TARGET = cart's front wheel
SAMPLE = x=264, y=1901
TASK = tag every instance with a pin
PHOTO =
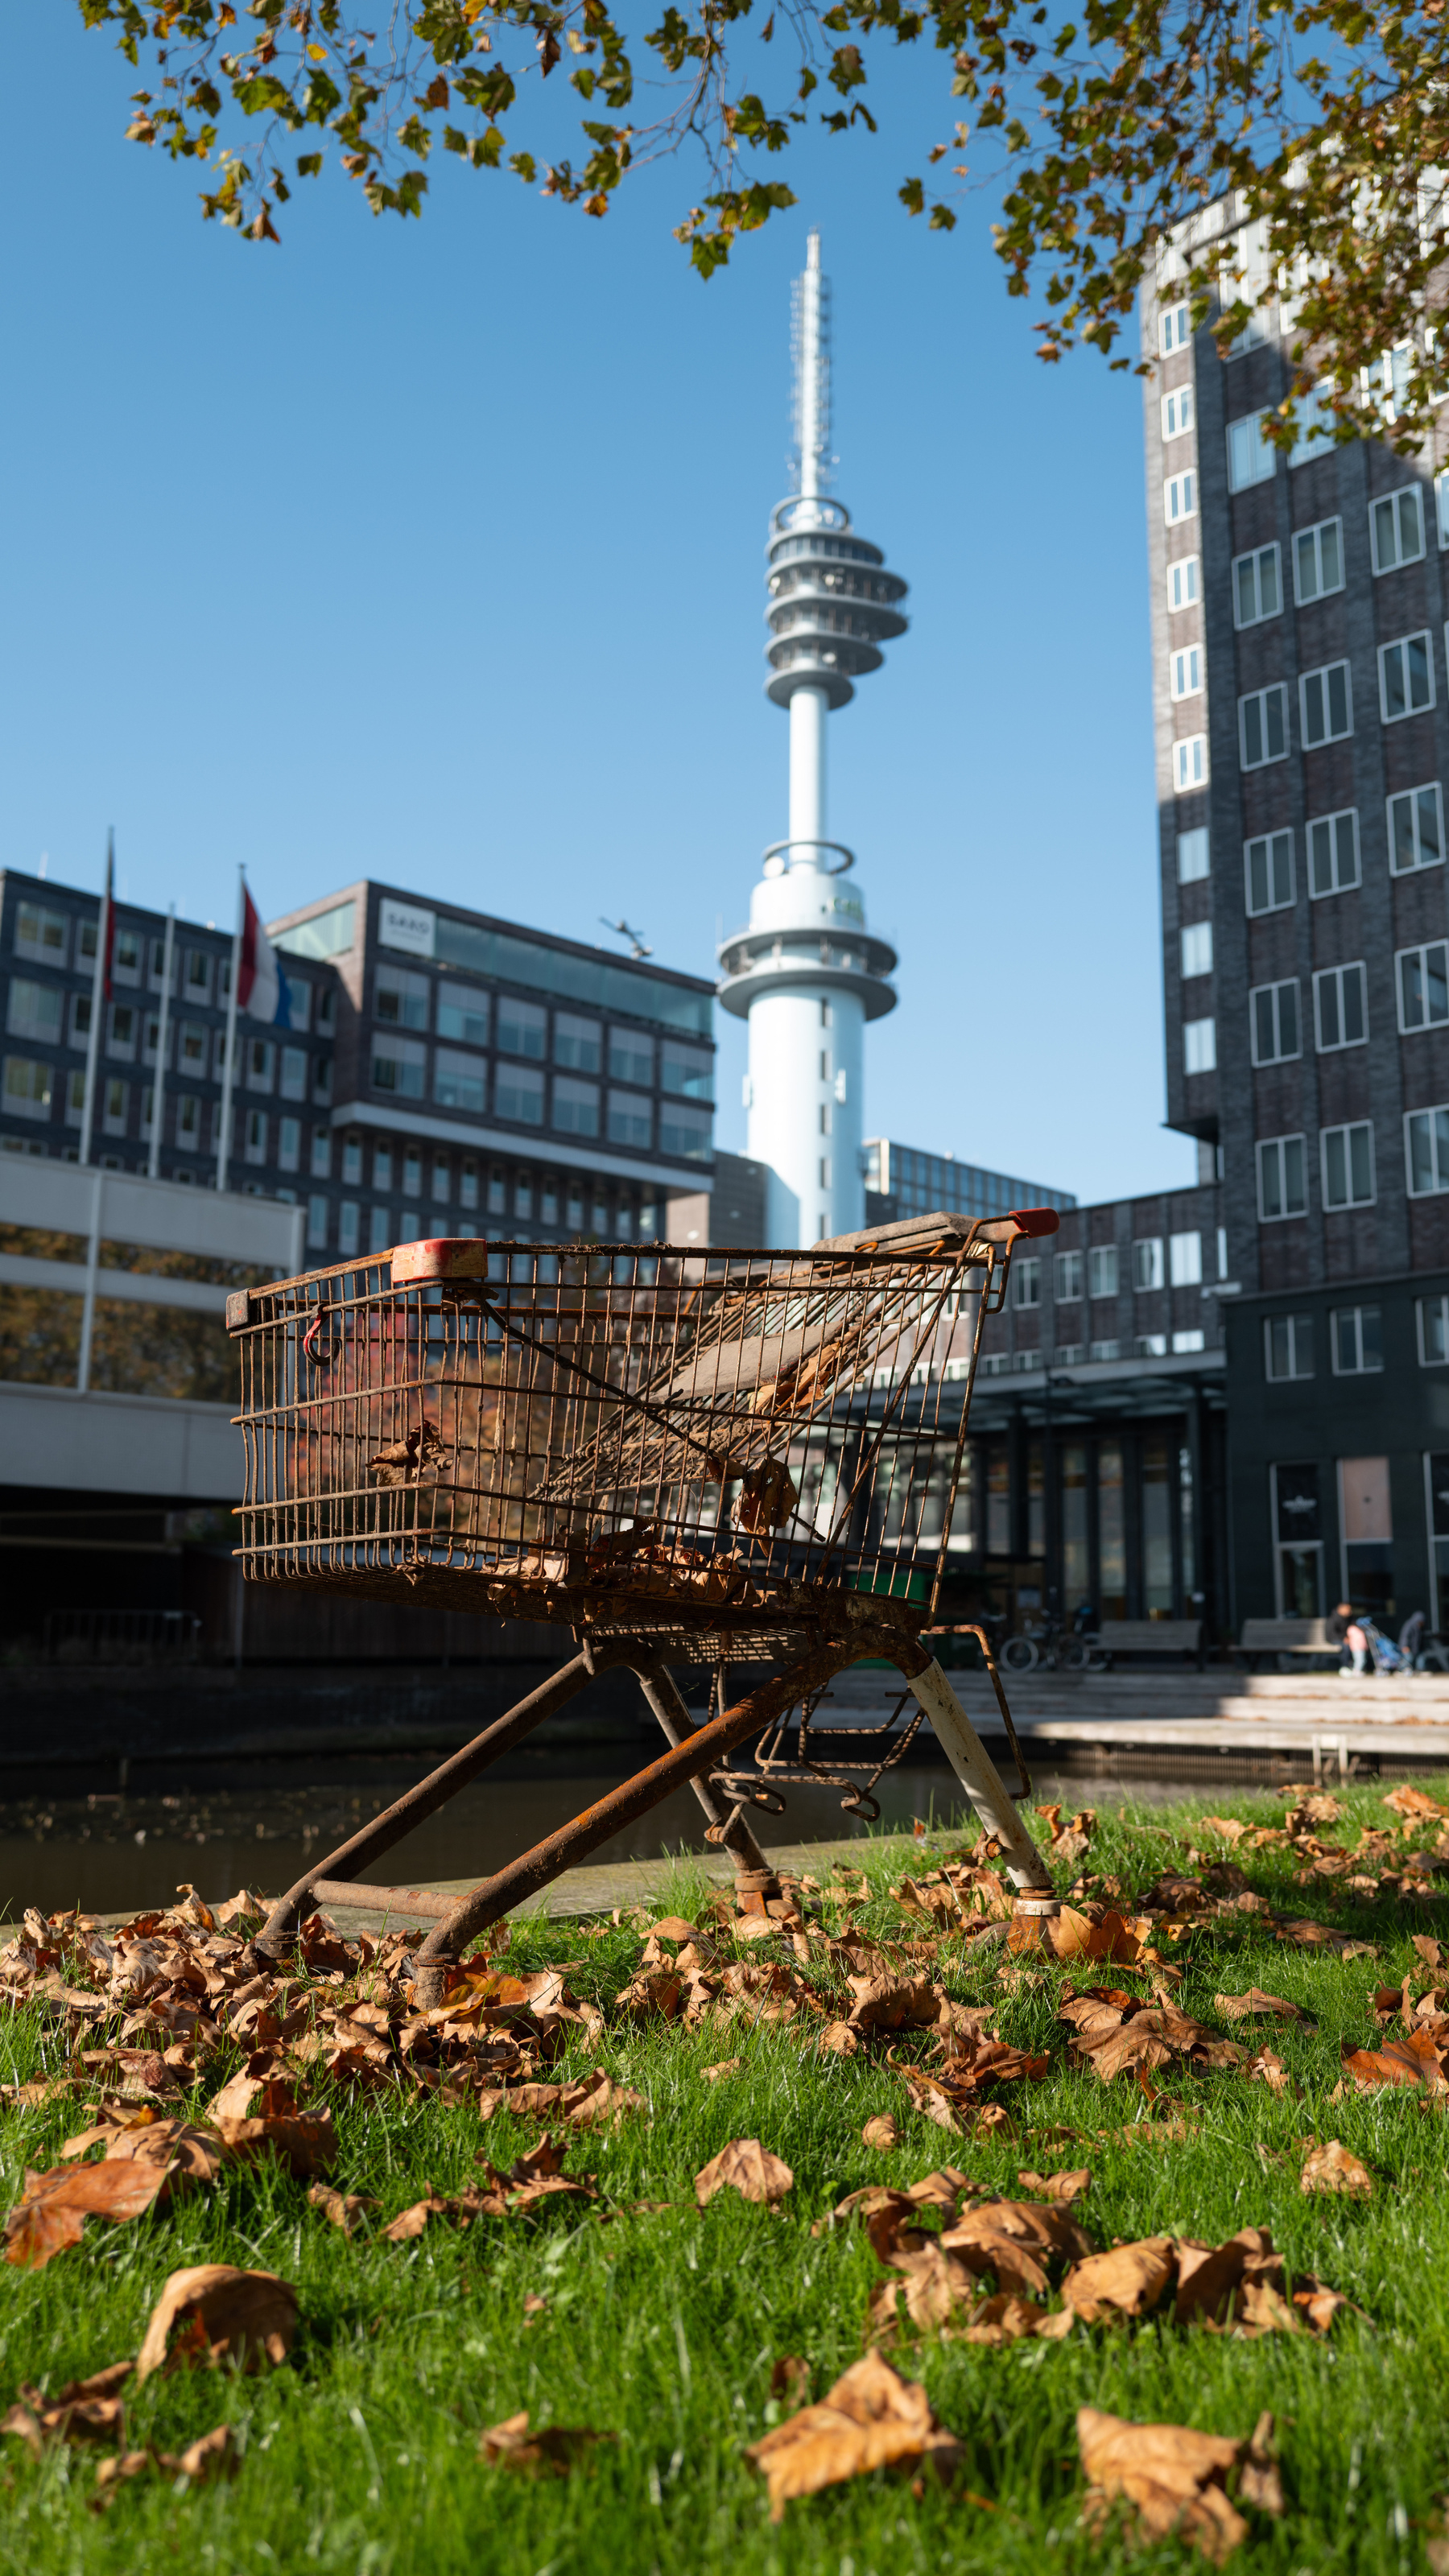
x=1019, y=1654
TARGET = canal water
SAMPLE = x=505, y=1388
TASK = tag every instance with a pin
x=114, y=1851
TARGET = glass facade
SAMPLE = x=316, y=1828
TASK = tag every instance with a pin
x=921, y=1183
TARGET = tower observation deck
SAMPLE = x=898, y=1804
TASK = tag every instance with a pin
x=807, y=974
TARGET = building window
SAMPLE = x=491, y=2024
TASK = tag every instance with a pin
x=1183, y=587
x=1189, y=764
x=1273, y=1017
x=1250, y=458
x=1066, y=1355
x=115, y=1105
x=576, y=1107
x=1193, y=856
x=1179, y=497
x=1298, y=1538
x=1151, y=1346
x=548, y=1200
x=1423, y=980
x=256, y=1136
x=1282, y=1178
x=1174, y=328
x=126, y=957
x=1325, y=702
x=1068, y=1278
x=1192, y=1339
x=348, y=1216
x=1348, y=1165
x=1026, y=1277
x=1257, y=592
x=352, y=1162
x=522, y=1028
x=1184, y=1261
x=321, y=1154
x=690, y=1076
x=41, y=934
x=1184, y=669
x=293, y=1085
x=578, y=1044
x=1406, y=676
x=1102, y=1270
x=412, y=1172
x=317, y=1223
x=1268, y=870
x=379, y=1229
x=460, y=1081
x=80, y=1028
x=462, y=1012
x=121, y=1035
x=1333, y=853
x=35, y=1011
x=400, y=999
x=631, y=1120
x=28, y=1087
x=1339, y=1008
x=1147, y=1272
x=1426, y=1150
x=1355, y=1337
x=1318, y=561
x=442, y=1189
x=468, y=1183
x=1105, y=1350
x=686, y=1132
x=1263, y=726
x=1177, y=412
x=289, y=1144
x=497, y=1192
x=1432, y=1316
x=188, y=1118
x=257, y=1061
x=1314, y=434
x=1416, y=829
x=1288, y=1346
x=1197, y=949
x=382, y=1167
x=1199, y=1046
x=1396, y=525
x=198, y=975
x=631, y=1059
x=518, y=1093
x=399, y=1066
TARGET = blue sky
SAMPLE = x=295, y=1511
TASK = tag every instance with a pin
x=435, y=553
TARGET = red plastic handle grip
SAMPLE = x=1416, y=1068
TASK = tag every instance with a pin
x=457, y=1256
x=1035, y=1220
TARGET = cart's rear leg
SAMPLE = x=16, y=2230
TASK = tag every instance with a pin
x=727, y=1828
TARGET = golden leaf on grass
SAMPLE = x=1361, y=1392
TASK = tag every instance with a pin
x=1330, y=2167
x=1067, y=2186
x=883, y=2133
x=1428, y=1949
x=1248, y=2007
x=549, y=2451
x=1414, y=1802
x=726, y=2066
x=994, y=2120
x=55, y=2206
x=305, y=2141
x=746, y=2167
x=212, y=2312
x=1126, y=2281
x=1414, y=2060
x=213, y=2456
x=870, y=2419
x=344, y=2208
x=1268, y=2069
x=1014, y=2240
x=87, y=2410
x=1209, y=2276
x=1176, y=2478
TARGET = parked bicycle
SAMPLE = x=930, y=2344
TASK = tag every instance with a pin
x=1053, y=1646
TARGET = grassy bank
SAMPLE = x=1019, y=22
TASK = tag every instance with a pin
x=662, y=2325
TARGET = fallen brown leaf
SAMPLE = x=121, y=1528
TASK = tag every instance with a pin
x=1249, y=2006
x=1412, y=2060
x=344, y=2208
x=1330, y=2167
x=55, y=2206
x=87, y=2410
x=870, y=2419
x=212, y=2312
x=1067, y=2186
x=883, y=2133
x=304, y=2141
x=1126, y=2281
x=1176, y=2478
x=728, y=2066
x=551, y=2450
x=1014, y=2240
x=746, y=2167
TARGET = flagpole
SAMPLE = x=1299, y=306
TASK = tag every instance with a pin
x=98, y=980
x=223, y=1148
x=158, y=1096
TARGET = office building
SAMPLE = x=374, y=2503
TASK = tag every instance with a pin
x=901, y=1181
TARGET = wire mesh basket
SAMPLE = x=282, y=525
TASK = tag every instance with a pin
x=707, y=1445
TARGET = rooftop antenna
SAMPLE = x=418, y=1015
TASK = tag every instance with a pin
x=635, y=938
x=810, y=348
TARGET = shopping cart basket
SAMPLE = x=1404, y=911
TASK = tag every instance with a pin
x=723, y=1458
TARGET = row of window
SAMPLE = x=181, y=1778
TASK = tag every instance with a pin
x=471, y=1016
x=39, y=1011
x=1347, y=1165
x=1325, y=698
x=521, y=1096
x=1143, y=1346
x=1355, y=1340
x=1340, y=1003
x=523, y=1200
x=1270, y=879
x=1157, y=1261
x=198, y=975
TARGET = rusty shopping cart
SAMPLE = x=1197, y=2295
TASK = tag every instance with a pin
x=734, y=1459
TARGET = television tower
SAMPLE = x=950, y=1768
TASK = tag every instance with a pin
x=807, y=974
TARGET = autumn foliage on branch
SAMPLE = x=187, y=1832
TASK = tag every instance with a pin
x=1325, y=125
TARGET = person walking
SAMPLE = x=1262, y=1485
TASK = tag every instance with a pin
x=1348, y=1636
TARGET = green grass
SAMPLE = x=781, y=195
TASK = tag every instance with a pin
x=361, y=2453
